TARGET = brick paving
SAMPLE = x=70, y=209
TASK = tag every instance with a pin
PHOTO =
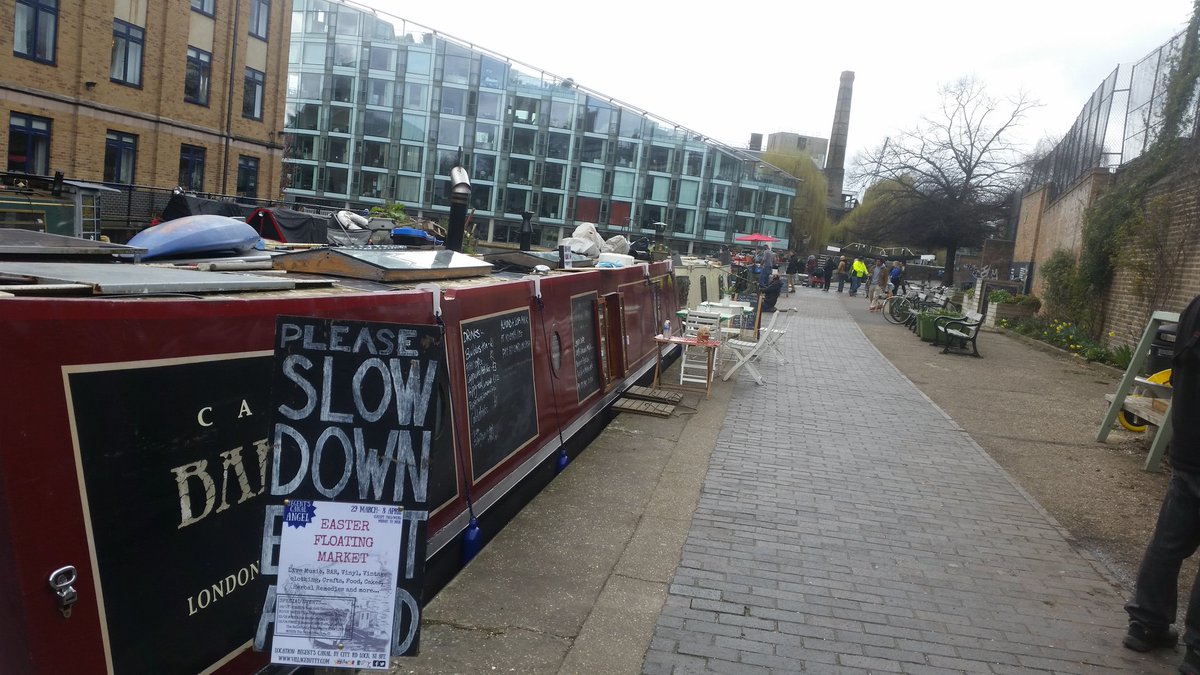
x=839, y=532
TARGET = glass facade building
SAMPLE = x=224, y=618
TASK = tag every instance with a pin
x=379, y=109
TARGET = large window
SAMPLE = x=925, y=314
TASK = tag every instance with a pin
x=247, y=176
x=206, y=7
x=252, y=94
x=127, y=47
x=35, y=29
x=191, y=167
x=28, y=144
x=198, y=76
x=120, y=157
x=260, y=12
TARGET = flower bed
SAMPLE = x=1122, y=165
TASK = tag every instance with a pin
x=1069, y=338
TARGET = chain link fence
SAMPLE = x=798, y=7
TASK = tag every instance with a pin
x=1123, y=118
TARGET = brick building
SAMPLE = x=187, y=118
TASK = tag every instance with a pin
x=134, y=92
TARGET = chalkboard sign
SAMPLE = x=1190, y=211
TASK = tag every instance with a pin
x=583, y=344
x=501, y=401
x=355, y=413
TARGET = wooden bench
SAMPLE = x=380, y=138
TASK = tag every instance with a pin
x=956, y=332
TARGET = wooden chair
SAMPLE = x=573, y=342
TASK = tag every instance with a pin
x=693, y=364
x=746, y=352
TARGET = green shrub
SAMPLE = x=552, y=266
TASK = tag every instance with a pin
x=1000, y=297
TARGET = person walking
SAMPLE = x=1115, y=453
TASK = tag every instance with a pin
x=858, y=274
x=894, y=276
x=901, y=284
x=830, y=266
x=842, y=271
x=793, y=270
x=810, y=269
x=878, y=285
x=767, y=266
x=1177, y=533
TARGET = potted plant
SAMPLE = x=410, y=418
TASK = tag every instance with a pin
x=1005, y=305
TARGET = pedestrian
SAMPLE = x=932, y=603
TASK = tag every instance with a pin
x=842, y=271
x=901, y=282
x=793, y=270
x=767, y=266
x=1176, y=535
x=878, y=285
x=810, y=268
x=858, y=273
x=894, y=276
x=830, y=266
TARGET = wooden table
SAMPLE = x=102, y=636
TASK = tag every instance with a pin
x=710, y=347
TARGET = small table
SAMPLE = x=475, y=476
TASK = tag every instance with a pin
x=709, y=345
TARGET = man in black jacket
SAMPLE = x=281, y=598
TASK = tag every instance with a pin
x=830, y=266
x=1177, y=534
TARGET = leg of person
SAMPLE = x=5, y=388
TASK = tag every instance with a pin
x=1176, y=536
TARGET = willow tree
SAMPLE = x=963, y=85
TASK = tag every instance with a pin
x=951, y=178
x=810, y=223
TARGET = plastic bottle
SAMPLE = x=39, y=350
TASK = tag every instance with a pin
x=667, y=328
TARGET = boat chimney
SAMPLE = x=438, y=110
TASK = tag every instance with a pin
x=526, y=230
x=460, y=196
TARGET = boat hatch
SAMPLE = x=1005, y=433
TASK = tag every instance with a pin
x=15, y=243
x=28, y=278
x=383, y=263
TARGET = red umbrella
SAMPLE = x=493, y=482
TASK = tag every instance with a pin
x=756, y=237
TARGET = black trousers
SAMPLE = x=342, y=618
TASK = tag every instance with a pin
x=1176, y=537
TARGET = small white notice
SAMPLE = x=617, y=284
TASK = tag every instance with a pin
x=338, y=567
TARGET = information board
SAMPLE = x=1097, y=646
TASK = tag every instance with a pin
x=338, y=572
x=583, y=344
x=501, y=401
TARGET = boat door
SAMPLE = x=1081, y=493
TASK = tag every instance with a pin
x=616, y=341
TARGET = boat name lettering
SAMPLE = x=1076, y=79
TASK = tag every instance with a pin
x=204, y=415
x=197, y=474
x=372, y=340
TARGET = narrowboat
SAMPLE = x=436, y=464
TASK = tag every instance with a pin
x=137, y=432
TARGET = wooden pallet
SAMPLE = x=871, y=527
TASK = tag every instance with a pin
x=648, y=394
x=644, y=407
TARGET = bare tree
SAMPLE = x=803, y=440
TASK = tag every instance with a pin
x=950, y=179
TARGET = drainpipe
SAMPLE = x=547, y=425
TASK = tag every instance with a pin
x=228, y=130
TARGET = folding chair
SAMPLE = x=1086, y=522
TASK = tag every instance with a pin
x=693, y=364
x=773, y=336
x=747, y=352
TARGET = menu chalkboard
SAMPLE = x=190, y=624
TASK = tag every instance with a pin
x=501, y=401
x=583, y=344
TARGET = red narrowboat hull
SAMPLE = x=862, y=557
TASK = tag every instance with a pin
x=136, y=434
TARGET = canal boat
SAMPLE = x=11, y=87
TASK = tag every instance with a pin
x=136, y=444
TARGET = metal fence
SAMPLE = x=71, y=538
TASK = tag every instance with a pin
x=136, y=207
x=1123, y=118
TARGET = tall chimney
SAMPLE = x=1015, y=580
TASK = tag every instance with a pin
x=835, y=169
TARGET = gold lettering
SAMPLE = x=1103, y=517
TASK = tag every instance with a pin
x=182, y=474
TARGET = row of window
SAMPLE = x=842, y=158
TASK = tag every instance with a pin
x=36, y=29
x=29, y=152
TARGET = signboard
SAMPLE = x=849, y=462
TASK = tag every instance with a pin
x=354, y=414
x=583, y=344
x=336, y=593
x=170, y=456
x=498, y=361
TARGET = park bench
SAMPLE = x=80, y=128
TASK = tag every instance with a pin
x=956, y=332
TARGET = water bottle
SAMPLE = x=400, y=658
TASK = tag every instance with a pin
x=667, y=328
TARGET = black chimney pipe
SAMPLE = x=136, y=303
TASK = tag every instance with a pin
x=460, y=196
x=526, y=230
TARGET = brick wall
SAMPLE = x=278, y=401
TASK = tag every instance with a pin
x=1045, y=227
x=156, y=113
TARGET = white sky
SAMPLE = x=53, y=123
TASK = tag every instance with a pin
x=727, y=70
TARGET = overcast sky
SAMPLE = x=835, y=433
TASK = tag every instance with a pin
x=730, y=69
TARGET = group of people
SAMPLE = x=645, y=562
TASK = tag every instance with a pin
x=878, y=279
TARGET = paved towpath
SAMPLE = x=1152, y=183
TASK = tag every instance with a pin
x=837, y=535
x=785, y=528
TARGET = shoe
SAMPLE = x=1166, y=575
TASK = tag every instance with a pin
x=1191, y=663
x=1142, y=639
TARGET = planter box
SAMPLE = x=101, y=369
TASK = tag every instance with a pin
x=997, y=311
